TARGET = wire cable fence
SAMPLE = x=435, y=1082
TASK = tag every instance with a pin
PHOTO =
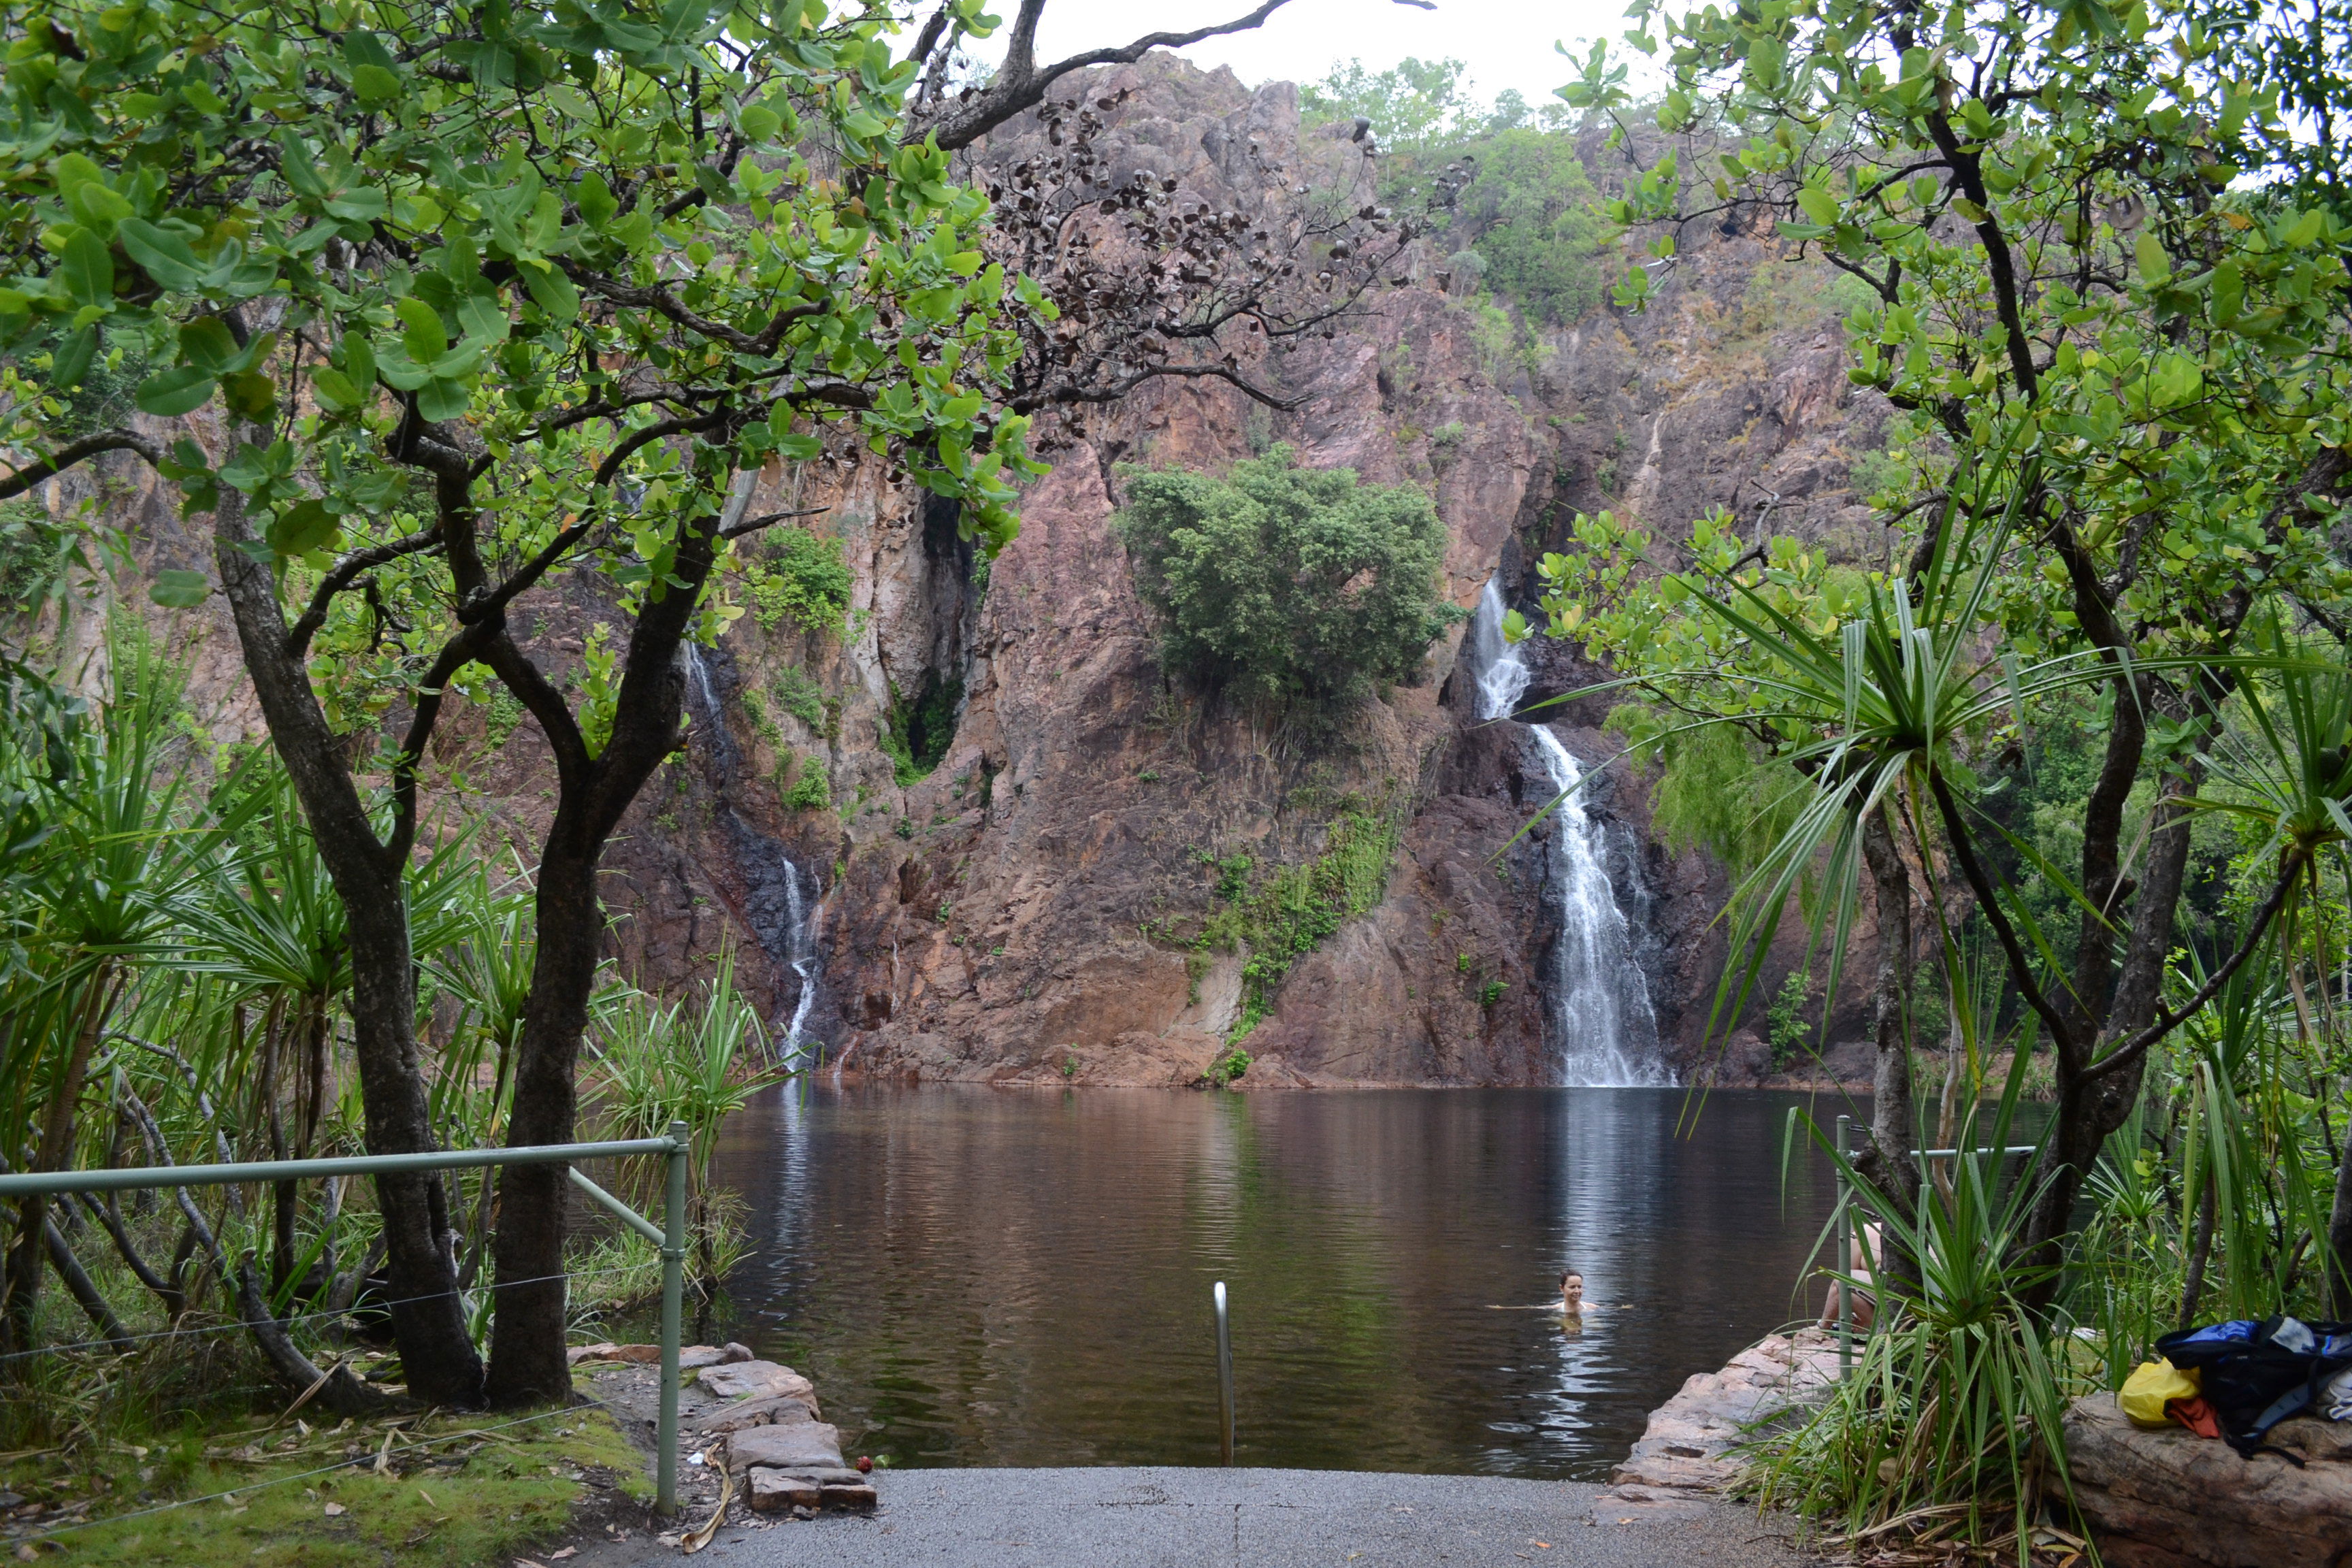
x=360, y=1307
x=262, y=1320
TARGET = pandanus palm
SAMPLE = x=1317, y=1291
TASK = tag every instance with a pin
x=114, y=879
x=2285, y=769
x=273, y=929
x=1873, y=707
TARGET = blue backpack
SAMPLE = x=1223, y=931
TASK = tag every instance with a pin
x=2256, y=1374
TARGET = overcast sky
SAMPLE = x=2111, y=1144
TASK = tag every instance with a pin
x=1506, y=43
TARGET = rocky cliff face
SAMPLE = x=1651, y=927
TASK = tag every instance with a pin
x=1020, y=912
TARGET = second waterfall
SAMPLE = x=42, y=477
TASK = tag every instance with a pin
x=1604, y=1032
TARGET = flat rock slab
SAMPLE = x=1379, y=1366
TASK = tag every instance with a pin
x=787, y=1445
x=2169, y=1498
x=739, y=1414
x=1685, y=1446
x=777, y=1490
x=690, y=1357
x=1108, y=1517
x=754, y=1380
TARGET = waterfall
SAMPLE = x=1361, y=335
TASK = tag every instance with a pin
x=783, y=915
x=1604, y=1032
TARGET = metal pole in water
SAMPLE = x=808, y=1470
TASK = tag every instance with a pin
x=1225, y=1371
x=1846, y=1251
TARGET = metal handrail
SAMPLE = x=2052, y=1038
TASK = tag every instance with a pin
x=129, y=1177
x=669, y=1235
x=1843, y=1224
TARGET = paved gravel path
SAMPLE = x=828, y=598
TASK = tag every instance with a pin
x=1146, y=1517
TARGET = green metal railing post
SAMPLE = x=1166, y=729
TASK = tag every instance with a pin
x=1845, y=1250
x=673, y=1304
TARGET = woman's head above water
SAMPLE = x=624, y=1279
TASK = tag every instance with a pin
x=1572, y=1290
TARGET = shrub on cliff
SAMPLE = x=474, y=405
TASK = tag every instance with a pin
x=806, y=581
x=1282, y=584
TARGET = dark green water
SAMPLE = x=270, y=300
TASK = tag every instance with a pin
x=981, y=1276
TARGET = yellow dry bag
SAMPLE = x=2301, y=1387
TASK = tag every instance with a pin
x=2153, y=1386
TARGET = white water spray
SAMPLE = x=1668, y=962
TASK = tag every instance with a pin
x=1604, y=1030
x=792, y=940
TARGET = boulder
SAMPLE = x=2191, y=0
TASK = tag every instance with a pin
x=2169, y=1498
x=754, y=1380
x=784, y=1446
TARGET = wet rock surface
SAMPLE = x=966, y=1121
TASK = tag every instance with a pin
x=1684, y=1453
x=2168, y=1498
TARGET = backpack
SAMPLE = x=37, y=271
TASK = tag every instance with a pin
x=2256, y=1375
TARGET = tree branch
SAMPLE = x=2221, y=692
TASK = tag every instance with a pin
x=347, y=571
x=2131, y=1051
x=769, y=520
x=2021, y=968
x=73, y=452
x=1021, y=85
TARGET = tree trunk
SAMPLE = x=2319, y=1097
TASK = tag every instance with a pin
x=437, y=1352
x=2339, y=1236
x=53, y=1153
x=2089, y=1108
x=1888, y=1163
x=527, y=1361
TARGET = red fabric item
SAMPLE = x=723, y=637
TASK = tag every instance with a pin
x=2195, y=1415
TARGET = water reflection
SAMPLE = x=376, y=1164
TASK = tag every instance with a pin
x=982, y=1278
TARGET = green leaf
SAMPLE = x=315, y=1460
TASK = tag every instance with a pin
x=2229, y=293
x=164, y=256
x=2154, y=266
x=205, y=342
x=100, y=208
x=362, y=48
x=374, y=84
x=361, y=204
x=483, y=317
x=177, y=590
x=70, y=361
x=438, y=399
x=305, y=526
x=335, y=389
x=422, y=333
x=250, y=393
x=759, y=123
x=1819, y=205
x=552, y=291
x=181, y=390
x=87, y=269
x=595, y=200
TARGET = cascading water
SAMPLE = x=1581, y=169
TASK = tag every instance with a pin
x=1605, y=1034
x=782, y=915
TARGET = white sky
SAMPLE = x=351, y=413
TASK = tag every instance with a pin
x=1506, y=43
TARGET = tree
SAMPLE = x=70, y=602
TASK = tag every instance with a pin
x=2137, y=367
x=449, y=275
x=1281, y=583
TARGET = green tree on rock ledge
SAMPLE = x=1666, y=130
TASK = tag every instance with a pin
x=1282, y=584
